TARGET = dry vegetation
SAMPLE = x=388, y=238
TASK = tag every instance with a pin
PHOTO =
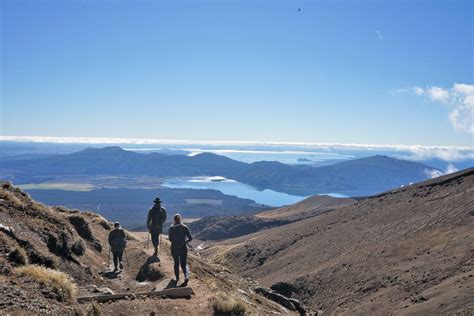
x=59, y=282
x=11, y=197
x=93, y=310
x=227, y=306
x=18, y=256
x=99, y=219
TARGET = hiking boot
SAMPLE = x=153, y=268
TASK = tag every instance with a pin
x=121, y=266
x=155, y=253
x=115, y=269
x=185, y=283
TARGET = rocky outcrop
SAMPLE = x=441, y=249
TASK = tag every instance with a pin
x=287, y=302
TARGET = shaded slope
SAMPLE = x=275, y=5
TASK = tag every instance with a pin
x=225, y=227
x=309, y=207
x=409, y=250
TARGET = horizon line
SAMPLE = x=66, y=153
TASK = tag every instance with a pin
x=158, y=141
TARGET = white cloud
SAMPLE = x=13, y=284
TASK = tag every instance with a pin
x=438, y=94
x=451, y=168
x=459, y=99
x=410, y=152
x=420, y=153
x=433, y=173
x=418, y=90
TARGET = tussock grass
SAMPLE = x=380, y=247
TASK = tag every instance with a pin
x=18, y=256
x=9, y=196
x=228, y=306
x=59, y=282
x=40, y=206
x=99, y=219
x=130, y=236
x=62, y=209
x=93, y=310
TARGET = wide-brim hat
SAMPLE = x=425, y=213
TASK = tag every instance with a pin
x=157, y=200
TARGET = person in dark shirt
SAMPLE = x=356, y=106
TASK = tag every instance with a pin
x=179, y=250
x=155, y=220
x=117, y=242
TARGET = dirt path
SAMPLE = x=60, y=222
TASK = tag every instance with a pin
x=208, y=282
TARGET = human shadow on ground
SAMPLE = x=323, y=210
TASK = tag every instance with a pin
x=112, y=274
x=150, y=270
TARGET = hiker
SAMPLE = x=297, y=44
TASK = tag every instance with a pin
x=177, y=236
x=117, y=242
x=156, y=219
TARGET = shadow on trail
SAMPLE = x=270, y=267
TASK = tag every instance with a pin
x=171, y=284
x=111, y=274
x=150, y=270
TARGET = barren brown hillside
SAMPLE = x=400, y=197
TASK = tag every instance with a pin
x=309, y=207
x=407, y=251
x=225, y=227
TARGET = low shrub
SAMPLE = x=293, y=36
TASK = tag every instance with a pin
x=78, y=248
x=61, y=209
x=102, y=222
x=81, y=226
x=5, y=267
x=18, y=256
x=59, y=282
x=6, y=185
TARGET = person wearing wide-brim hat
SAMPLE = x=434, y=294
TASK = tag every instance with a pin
x=156, y=219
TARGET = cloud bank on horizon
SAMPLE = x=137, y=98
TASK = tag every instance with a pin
x=410, y=152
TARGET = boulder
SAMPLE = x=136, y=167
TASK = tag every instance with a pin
x=289, y=303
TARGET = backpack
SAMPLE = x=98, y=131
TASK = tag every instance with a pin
x=117, y=240
x=158, y=216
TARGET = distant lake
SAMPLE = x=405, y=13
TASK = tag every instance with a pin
x=241, y=190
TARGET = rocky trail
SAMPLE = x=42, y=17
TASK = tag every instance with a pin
x=208, y=283
x=56, y=260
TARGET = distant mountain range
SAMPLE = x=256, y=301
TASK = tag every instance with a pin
x=364, y=176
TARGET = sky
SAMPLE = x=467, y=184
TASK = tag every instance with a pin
x=377, y=72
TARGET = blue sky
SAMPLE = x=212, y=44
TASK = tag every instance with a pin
x=313, y=71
